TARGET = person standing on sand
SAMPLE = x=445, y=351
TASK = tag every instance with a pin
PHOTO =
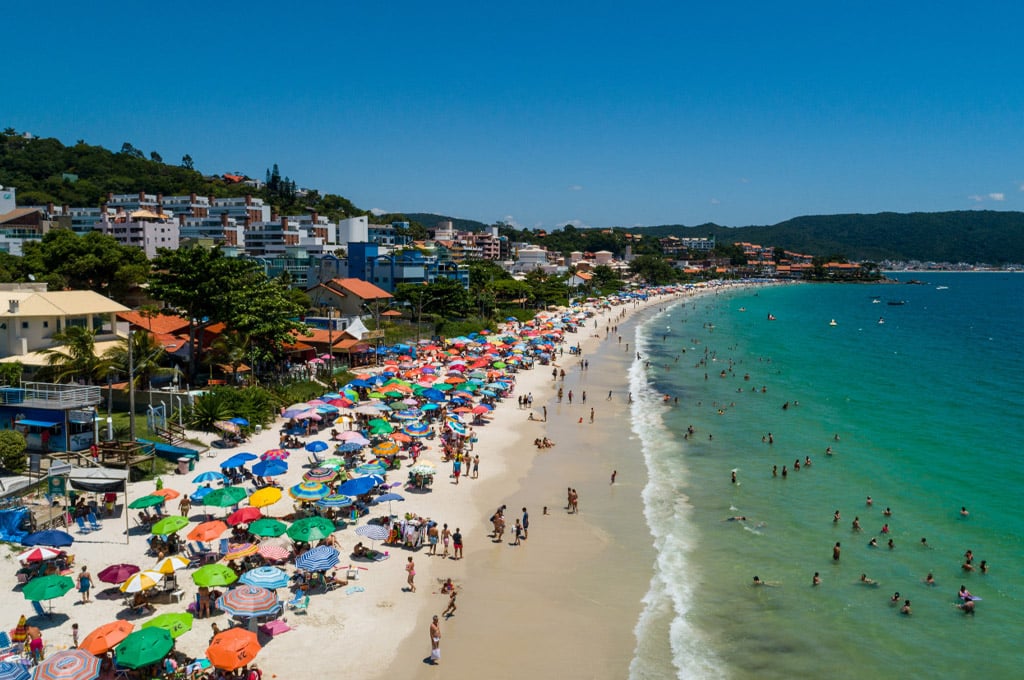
x=591, y=416
x=446, y=536
x=457, y=542
x=476, y=466
x=410, y=568
x=84, y=584
x=526, y=524
x=435, y=642
x=615, y=473
x=432, y=536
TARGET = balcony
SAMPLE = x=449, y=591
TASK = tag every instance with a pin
x=51, y=395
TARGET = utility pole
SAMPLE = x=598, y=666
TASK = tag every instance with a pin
x=330, y=344
x=131, y=389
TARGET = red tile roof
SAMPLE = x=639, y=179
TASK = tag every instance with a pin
x=161, y=323
x=361, y=289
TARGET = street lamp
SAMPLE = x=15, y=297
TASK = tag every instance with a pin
x=131, y=389
x=330, y=341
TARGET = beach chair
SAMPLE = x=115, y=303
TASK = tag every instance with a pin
x=94, y=523
x=225, y=547
x=299, y=604
x=82, y=529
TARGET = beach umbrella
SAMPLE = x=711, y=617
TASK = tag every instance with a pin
x=106, y=637
x=244, y=516
x=267, y=527
x=389, y=497
x=310, y=529
x=416, y=429
x=13, y=671
x=386, y=448
x=358, y=486
x=268, y=495
x=214, y=575
x=171, y=564
x=334, y=463
x=175, y=623
x=144, y=580
x=117, y=573
x=267, y=577
x=208, y=531
x=270, y=468
x=38, y=554
x=144, y=647
x=320, y=474
x=146, y=502
x=222, y=498
x=309, y=491
x=320, y=558
x=275, y=454
x=272, y=552
x=166, y=494
x=237, y=460
x=295, y=410
x=316, y=446
x=423, y=468
x=380, y=426
x=233, y=648
x=349, y=447
x=53, y=538
x=47, y=587
x=68, y=664
x=374, y=532
x=335, y=500
x=371, y=469
x=227, y=426
x=238, y=420
x=169, y=525
x=350, y=435
x=249, y=601
x=240, y=551
x=210, y=476
x=199, y=494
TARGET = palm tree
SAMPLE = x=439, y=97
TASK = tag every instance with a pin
x=231, y=348
x=147, y=358
x=74, y=357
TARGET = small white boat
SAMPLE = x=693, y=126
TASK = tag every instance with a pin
x=832, y=323
x=941, y=287
x=881, y=320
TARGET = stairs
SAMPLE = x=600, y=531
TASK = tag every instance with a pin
x=172, y=434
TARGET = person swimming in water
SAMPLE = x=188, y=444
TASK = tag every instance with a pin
x=868, y=581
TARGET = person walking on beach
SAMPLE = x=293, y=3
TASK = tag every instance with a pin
x=432, y=536
x=446, y=536
x=591, y=416
x=518, y=533
x=450, y=609
x=545, y=410
x=615, y=473
x=476, y=466
x=435, y=641
x=84, y=584
x=526, y=524
x=457, y=542
x=410, y=568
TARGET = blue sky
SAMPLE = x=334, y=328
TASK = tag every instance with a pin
x=591, y=113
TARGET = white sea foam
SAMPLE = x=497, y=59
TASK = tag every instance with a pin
x=667, y=510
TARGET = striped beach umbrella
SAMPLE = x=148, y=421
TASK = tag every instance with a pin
x=320, y=558
x=320, y=474
x=371, y=469
x=270, y=578
x=37, y=554
x=268, y=495
x=309, y=491
x=334, y=463
x=13, y=671
x=208, y=477
x=416, y=429
x=249, y=601
x=335, y=500
x=240, y=551
x=144, y=580
x=275, y=454
x=69, y=664
x=387, y=448
x=374, y=532
x=272, y=552
x=349, y=447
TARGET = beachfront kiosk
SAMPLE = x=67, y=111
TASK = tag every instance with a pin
x=52, y=417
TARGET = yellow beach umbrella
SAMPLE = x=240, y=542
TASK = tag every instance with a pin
x=144, y=580
x=169, y=565
x=264, y=497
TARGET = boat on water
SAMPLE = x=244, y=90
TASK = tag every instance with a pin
x=875, y=300
x=881, y=320
x=743, y=309
x=941, y=287
x=832, y=323
x=896, y=303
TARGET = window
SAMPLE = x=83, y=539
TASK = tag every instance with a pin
x=46, y=324
x=24, y=324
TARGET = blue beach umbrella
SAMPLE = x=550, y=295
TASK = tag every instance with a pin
x=204, y=477
x=237, y=420
x=335, y=500
x=316, y=446
x=320, y=558
x=52, y=538
x=238, y=460
x=348, y=447
x=417, y=429
x=198, y=495
x=358, y=486
x=270, y=468
x=267, y=577
x=433, y=394
x=13, y=671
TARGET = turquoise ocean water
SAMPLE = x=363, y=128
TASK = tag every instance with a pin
x=928, y=407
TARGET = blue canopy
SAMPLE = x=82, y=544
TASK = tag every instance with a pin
x=50, y=537
x=36, y=423
x=238, y=460
x=270, y=468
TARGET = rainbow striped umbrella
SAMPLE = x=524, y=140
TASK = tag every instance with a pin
x=69, y=664
x=309, y=491
x=417, y=429
x=240, y=551
x=249, y=601
x=320, y=474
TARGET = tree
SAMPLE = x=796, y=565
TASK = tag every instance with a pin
x=93, y=261
x=230, y=348
x=186, y=162
x=74, y=357
x=156, y=157
x=653, y=269
x=12, y=451
x=10, y=372
x=606, y=280
x=148, y=358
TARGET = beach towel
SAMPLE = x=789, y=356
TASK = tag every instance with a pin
x=354, y=589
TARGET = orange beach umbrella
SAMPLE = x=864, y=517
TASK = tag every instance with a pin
x=233, y=648
x=208, y=531
x=106, y=637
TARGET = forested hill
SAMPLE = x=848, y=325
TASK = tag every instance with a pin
x=431, y=220
x=962, y=236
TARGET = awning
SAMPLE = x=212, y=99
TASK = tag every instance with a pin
x=36, y=423
x=98, y=479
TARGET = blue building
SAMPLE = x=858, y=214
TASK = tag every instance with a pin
x=366, y=262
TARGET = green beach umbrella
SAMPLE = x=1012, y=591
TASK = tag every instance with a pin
x=376, y=395
x=333, y=463
x=380, y=426
x=443, y=386
x=214, y=575
x=47, y=587
x=146, y=502
x=226, y=497
x=398, y=405
x=175, y=623
x=144, y=647
x=499, y=364
x=311, y=529
x=169, y=525
x=394, y=394
x=267, y=527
